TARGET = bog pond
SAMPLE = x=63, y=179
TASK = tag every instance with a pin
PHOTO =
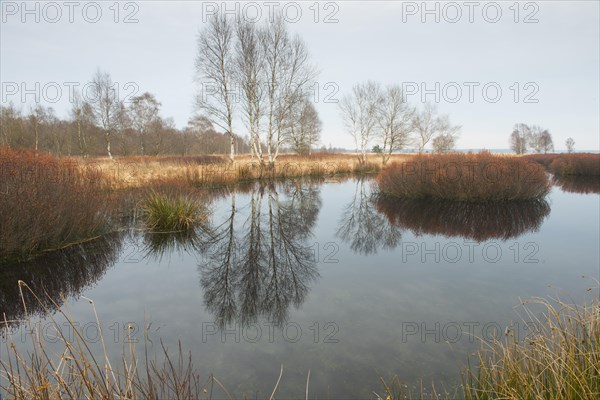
x=320, y=276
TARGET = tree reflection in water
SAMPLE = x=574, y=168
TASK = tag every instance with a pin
x=263, y=264
x=475, y=221
x=365, y=229
x=58, y=275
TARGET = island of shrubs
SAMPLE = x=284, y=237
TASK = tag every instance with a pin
x=465, y=177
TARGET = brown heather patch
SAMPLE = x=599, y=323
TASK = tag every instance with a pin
x=47, y=202
x=467, y=177
x=582, y=164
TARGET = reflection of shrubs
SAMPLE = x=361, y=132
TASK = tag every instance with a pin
x=46, y=202
x=59, y=274
x=576, y=164
x=577, y=183
x=476, y=221
x=470, y=177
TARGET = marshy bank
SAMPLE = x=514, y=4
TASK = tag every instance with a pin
x=49, y=202
x=310, y=253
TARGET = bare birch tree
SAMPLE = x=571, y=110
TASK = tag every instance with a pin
x=570, y=143
x=249, y=61
x=303, y=127
x=288, y=74
x=360, y=114
x=83, y=116
x=428, y=124
x=106, y=106
x=394, y=121
x=519, y=138
x=144, y=112
x=215, y=71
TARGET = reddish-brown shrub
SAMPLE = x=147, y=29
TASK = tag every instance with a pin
x=473, y=177
x=544, y=159
x=576, y=164
x=47, y=202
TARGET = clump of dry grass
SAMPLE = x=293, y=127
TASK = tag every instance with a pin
x=584, y=164
x=78, y=372
x=470, y=177
x=47, y=202
x=559, y=361
x=172, y=212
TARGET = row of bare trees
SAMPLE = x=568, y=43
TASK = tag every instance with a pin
x=539, y=140
x=373, y=113
x=258, y=74
x=100, y=123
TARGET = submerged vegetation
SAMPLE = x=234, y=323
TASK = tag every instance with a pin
x=470, y=177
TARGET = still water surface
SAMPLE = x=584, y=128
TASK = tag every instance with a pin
x=319, y=276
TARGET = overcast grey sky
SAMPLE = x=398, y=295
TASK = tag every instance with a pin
x=535, y=62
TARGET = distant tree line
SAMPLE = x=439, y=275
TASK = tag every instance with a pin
x=524, y=137
x=106, y=125
x=382, y=115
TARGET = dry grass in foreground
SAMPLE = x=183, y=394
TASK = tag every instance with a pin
x=79, y=372
x=467, y=177
x=560, y=361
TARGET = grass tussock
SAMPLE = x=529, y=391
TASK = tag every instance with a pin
x=172, y=212
x=48, y=203
x=576, y=165
x=466, y=177
x=83, y=368
x=559, y=361
x=76, y=366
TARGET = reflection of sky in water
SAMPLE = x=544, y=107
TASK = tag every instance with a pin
x=368, y=298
